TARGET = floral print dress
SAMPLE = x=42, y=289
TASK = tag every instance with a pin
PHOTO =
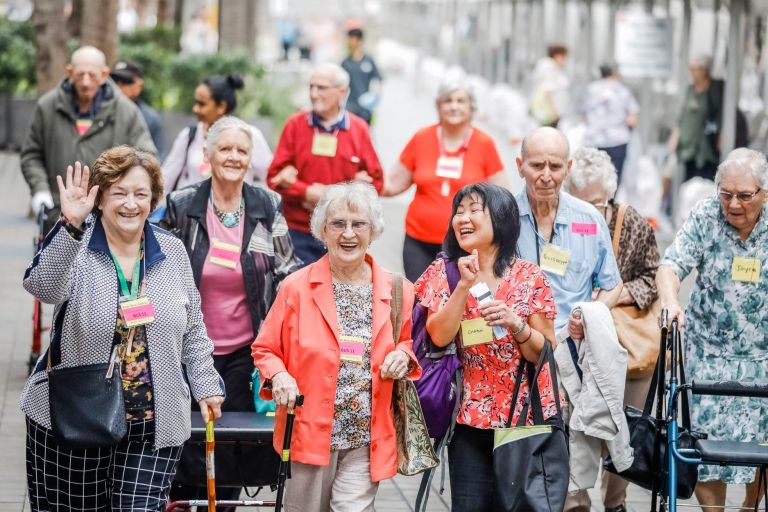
x=490, y=369
x=726, y=327
x=352, y=407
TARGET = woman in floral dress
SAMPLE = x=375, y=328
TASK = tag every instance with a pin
x=482, y=241
x=725, y=240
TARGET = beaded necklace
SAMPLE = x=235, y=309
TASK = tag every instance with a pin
x=229, y=219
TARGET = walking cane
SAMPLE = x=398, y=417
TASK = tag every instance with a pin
x=285, y=456
x=210, y=469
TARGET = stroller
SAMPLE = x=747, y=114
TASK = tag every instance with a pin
x=237, y=429
x=702, y=451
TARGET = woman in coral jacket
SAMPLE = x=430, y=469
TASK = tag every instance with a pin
x=329, y=337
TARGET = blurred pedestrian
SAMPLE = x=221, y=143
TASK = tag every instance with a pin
x=215, y=97
x=84, y=116
x=129, y=77
x=725, y=239
x=330, y=338
x=101, y=263
x=550, y=98
x=364, y=77
x=441, y=159
x=240, y=251
x=318, y=148
x=610, y=112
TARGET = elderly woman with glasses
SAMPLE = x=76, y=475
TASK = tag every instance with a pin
x=329, y=337
x=725, y=240
x=593, y=178
x=441, y=159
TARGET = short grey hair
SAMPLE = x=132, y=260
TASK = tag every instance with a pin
x=357, y=197
x=702, y=61
x=745, y=158
x=592, y=165
x=226, y=123
x=339, y=74
x=450, y=85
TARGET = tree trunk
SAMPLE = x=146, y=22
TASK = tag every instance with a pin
x=165, y=11
x=99, y=27
x=237, y=25
x=51, y=40
x=75, y=18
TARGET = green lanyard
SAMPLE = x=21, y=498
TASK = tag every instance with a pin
x=133, y=293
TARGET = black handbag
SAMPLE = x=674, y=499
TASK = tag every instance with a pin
x=86, y=403
x=643, y=427
x=530, y=463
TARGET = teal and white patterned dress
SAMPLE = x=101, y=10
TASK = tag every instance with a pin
x=726, y=327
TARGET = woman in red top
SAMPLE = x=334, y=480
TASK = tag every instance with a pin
x=482, y=240
x=440, y=159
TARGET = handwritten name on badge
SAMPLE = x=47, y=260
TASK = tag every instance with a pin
x=584, y=228
x=475, y=332
x=555, y=260
x=352, y=348
x=746, y=270
x=138, y=312
x=225, y=255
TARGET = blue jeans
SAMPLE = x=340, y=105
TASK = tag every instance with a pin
x=308, y=248
x=470, y=460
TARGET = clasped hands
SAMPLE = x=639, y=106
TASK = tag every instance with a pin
x=495, y=312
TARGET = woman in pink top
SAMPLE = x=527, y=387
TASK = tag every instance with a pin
x=238, y=244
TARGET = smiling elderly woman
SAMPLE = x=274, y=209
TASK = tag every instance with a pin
x=328, y=336
x=725, y=240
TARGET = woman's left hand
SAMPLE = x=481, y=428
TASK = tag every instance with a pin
x=214, y=402
x=498, y=313
x=395, y=365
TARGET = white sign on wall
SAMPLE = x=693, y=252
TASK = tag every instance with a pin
x=644, y=45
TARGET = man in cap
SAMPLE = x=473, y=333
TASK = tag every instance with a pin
x=129, y=77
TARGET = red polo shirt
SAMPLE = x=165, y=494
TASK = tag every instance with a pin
x=354, y=153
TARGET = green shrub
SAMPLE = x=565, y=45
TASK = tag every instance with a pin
x=163, y=36
x=17, y=57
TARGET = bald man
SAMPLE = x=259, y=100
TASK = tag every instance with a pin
x=84, y=116
x=324, y=146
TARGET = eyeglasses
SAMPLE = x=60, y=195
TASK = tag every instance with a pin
x=340, y=226
x=742, y=197
x=600, y=206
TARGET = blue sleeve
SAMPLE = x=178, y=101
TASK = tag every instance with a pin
x=606, y=275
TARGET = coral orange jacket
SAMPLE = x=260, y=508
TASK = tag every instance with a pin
x=300, y=335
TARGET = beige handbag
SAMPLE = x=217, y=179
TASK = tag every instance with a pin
x=637, y=329
x=414, y=448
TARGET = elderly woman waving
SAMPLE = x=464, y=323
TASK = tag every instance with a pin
x=104, y=272
x=439, y=160
x=328, y=337
x=725, y=240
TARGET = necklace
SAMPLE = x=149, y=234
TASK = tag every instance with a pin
x=229, y=219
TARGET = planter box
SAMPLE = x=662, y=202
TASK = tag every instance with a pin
x=16, y=115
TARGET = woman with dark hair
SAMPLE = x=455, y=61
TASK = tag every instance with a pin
x=492, y=337
x=215, y=98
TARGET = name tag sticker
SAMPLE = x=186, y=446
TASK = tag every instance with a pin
x=476, y=332
x=138, y=312
x=555, y=260
x=352, y=348
x=746, y=270
x=324, y=144
x=449, y=167
x=224, y=255
x=583, y=228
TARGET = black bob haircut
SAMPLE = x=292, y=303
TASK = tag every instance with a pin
x=505, y=220
x=223, y=89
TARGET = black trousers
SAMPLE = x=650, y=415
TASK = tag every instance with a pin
x=417, y=256
x=236, y=369
x=129, y=476
x=470, y=460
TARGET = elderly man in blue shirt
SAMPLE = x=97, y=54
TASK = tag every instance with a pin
x=565, y=236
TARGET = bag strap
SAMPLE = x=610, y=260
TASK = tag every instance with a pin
x=184, y=171
x=533, y=402
x=396, y=305
x=617, y=229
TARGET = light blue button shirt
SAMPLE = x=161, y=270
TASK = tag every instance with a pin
x=591, y=262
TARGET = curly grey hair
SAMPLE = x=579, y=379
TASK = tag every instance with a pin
x=747, y=158
x=450, y=85
x=591, y=165
x=357, y=197
x=226, y=123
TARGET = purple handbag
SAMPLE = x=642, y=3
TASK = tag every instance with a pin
x=438, y=387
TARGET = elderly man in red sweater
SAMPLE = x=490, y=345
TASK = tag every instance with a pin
x=324, y=146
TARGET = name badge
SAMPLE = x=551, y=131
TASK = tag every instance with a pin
x=476, y=332
x=224, y=255
x=324, y=144
x=449, y=167
x=555, y=260
x=138, y=312
x=583, y=228
x=352, y=348
x=746, y=270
